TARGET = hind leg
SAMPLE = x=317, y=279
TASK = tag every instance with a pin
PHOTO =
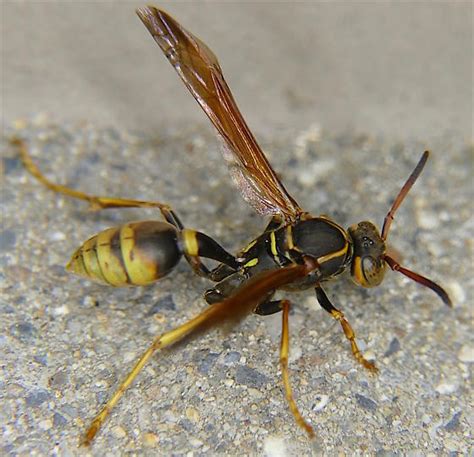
x=194, y=244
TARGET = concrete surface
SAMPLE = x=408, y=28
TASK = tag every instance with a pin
x=361, y=76
x=395, y=68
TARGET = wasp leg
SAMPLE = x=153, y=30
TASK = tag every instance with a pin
x=225, y=288
x=221, y=272
x=95, y=202
x=346, y=327
x=229, y=285
x=269, y=307
x=230, y=311
x=195, y=243
x=284, y=353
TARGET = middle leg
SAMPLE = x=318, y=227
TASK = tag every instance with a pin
x=346, y=327
x=284, y=354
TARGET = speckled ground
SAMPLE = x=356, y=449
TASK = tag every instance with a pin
x=66, y=342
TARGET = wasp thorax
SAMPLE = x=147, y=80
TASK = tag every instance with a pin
x=368, y=265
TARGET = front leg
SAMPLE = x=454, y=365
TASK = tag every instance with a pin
x=346, y=327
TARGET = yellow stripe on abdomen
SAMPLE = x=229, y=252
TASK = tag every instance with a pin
x=110, y=258
x=141, y=269
x=136, y=254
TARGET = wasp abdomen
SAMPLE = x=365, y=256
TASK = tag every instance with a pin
x=134, y=254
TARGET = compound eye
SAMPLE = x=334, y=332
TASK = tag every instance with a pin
x=373, y=270
x=368, y=271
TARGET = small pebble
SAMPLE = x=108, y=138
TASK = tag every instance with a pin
x=452, y=445
x=57, y=236
x=250, y=377
x=41, y=359
x=164, y=303
x=317, y=170
x=366, y=403
x=119, y=432
x=446, y=388
x=252, y=392
x=295, y=354
x=37, y=397
x=274, y=446
x=59, y=420
x=59, y=379
x=170, y=416
x=427, y=220
x=192, y=414
x=322, y=401
x=7, y=240
x=150, y=439
x=456, y=292
x=129, y=356
x=10, y=164
x=453, y=424
x=393, y=347
x=194, y=442
x=59, y=311
x=433, y=430
x=206, y=364
x=24, y=331
x=466, y=354
x=231, y=358
x=45, y=424
x=312, y=134
x=426, y=419
x=89, y=301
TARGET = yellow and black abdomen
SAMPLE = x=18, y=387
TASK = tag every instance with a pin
x=134, y=254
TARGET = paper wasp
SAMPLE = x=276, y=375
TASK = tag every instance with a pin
x=296, y=250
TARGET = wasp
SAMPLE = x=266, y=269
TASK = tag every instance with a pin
x=296, y=250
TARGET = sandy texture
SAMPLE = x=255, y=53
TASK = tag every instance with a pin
x=66, y=342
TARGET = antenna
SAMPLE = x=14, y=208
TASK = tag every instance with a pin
x=393, y=264
x=402, y=194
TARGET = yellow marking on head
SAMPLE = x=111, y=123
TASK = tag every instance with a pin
x=357, y=272
x=251, y=263
x=191, y=245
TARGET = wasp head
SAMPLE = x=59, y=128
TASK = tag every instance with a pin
x=368, y=265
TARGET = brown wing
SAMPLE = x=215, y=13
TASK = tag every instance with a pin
x=225, y=313
x=200, y=71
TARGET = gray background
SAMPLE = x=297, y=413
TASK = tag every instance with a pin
x=344, y=97
x=395, y=68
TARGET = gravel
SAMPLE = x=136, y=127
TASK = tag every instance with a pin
x=67, y=342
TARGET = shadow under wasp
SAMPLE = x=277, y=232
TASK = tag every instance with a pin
x=296, y=250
